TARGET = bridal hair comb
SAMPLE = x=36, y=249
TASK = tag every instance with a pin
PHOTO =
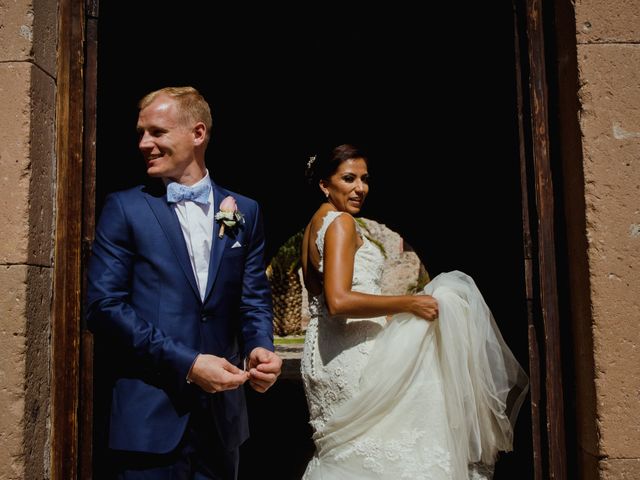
x=310, y=162
x=308, y=173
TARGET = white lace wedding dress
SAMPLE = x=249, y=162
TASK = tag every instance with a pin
x=408, y=399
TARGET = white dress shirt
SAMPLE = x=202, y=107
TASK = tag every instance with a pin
x=196, y=222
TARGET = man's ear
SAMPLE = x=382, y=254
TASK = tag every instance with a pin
x=199, y=133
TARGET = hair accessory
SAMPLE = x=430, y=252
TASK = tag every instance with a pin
x=311, y=160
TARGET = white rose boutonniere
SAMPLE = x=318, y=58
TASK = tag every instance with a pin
x=228, y=215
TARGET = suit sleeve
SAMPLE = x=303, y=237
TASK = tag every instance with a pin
x=256, y=305
x=109, y=312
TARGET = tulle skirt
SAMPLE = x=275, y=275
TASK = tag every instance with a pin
x=437, y=400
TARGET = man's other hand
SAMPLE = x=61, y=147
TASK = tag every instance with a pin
x=264, y=368
x=215, y=374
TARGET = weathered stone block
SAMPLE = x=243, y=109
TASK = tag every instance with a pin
x=16, y=30
x=13, y=298
x=610, y=122
x=613, y=21
x=37, y=385
x=42, y=174
x=15, y=137
x=45, y=35
x=620, y=469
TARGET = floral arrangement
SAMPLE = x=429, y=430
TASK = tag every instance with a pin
x=228, y=215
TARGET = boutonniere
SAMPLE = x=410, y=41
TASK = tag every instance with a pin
x=228, y=215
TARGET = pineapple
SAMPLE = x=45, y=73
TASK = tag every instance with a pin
x=286, y=288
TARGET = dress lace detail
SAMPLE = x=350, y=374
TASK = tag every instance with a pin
x=386, y=401
x=404, y=456
x=334, y=355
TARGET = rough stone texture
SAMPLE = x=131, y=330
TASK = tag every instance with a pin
x=42, y=171
x=15, y=166
x=614, y=21
x=36, y=382
x=620, y=469
x=13, y=330
x=610, y=123
x=25, y=300
x=16, y=30
x=28, y=32
x=27, y=160
x=45, y=35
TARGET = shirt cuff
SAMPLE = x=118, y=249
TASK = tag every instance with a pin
x=191, y=368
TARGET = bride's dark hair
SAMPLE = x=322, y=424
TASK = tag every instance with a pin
x=322, y=165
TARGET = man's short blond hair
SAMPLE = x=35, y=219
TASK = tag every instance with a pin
x=192, y=107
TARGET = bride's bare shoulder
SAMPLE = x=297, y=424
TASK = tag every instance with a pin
x=318, y=217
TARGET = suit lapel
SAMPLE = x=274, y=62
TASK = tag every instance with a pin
x=217, y=245
x=171, y=226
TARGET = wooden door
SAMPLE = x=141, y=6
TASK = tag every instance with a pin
x=72, y=382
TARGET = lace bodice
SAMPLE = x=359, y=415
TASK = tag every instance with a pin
x=367, y=268
x=336, y=348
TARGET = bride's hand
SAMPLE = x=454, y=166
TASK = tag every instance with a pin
x=425, y=306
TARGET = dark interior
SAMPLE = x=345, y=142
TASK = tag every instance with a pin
x=431, y=96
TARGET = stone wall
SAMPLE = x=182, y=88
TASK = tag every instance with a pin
x=608, y=61
x=27, y=166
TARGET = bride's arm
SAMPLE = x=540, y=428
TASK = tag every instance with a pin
x=340, y=245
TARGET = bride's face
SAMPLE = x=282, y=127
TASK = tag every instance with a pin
x=348, y=186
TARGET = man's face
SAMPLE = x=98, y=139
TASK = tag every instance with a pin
x=166, y=143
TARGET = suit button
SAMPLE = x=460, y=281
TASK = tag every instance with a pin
x=204, y=318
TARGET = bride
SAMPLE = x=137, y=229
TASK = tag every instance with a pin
x=407, y=386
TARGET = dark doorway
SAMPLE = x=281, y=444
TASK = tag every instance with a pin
x=283, y=84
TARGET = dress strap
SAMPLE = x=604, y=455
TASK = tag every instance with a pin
x=326, y=221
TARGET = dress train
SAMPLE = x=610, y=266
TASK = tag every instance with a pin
x=436, y=400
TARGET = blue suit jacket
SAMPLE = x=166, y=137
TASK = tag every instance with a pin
x=143, y=300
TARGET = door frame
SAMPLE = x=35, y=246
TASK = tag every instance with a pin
x=72, y=344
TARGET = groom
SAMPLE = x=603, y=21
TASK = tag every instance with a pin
x=183, y=304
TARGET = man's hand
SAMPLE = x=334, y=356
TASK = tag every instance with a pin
x=215, y=374
x=264, y=368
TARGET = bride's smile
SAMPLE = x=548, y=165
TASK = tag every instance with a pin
x=348, y=187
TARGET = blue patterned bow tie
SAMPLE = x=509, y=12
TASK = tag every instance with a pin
x=198, y=194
